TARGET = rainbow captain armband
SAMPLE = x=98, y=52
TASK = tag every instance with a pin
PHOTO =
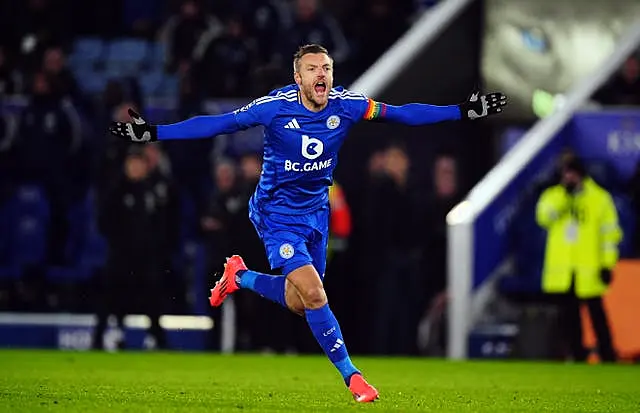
x=375, y=110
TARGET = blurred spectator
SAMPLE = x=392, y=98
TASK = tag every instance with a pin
x=10, y=79
x=215, y=220
x=112, y=152
x=246, y=238
x=139, y=220
x=266, y=21
x=191, y=159
x=8, y=161
x=49, y=137
x=38, y=25
x=62, y=81
x=446, y=196
x=167, y=196
x=113, y=95
x=228, y=231
x=271, y=327
x=624, y=88
x=393, y=211
x=251, y=169
x=340, y=221
x=225, y=63
x=159, y=164
x=185, y=32
x=214, y=224
x=269, y=21
x=582, y=249
x=312, y=25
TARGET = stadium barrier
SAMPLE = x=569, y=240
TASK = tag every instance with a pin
x=477, y=227
x=75, y=331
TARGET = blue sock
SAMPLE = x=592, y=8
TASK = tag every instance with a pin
x=327, y=332
x=268, y=286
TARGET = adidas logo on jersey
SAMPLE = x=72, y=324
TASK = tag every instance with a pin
x=293, y=124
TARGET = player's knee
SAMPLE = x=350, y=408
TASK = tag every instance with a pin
x=298, y=310
x=293, y=299
x=314, y=297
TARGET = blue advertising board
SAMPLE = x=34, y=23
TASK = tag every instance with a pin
x=75, y=332
x=491, y=228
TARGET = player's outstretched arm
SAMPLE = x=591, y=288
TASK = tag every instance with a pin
x=197, y=127
x=415, y=114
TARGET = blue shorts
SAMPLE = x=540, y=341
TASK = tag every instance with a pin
x=292, y=241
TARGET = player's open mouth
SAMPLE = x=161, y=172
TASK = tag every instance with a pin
x=320, y=88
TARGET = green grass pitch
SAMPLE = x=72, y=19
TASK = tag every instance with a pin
x=35, y=381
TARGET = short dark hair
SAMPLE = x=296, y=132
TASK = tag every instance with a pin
x=575, y=164
x=308, y=49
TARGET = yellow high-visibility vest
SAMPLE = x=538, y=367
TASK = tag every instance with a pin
x=580, y=244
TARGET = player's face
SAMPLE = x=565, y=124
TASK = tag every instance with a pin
x=315, y=78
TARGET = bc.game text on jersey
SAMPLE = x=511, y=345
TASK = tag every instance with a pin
x=300, y=146
x=307, y=166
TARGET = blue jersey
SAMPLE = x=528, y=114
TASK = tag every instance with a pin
x=300, y=146
x=300, y=154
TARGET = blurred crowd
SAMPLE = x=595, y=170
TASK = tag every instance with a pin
x=624, y=86
x=96, y=225
x=217, y=48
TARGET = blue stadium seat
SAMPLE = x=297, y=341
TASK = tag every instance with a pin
x=157, y=55
x=86, y=54
x=29, y=240
x=95, y=251
x=89, y=48
x=85, y=250
x=123, y=68
x=115, y=71
x=169, y=87
x=91, y=81
x=31, y=199
x=29, y=221
x=150, y=83
x=124, y=57
x=79, y=219
x=127, y=50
